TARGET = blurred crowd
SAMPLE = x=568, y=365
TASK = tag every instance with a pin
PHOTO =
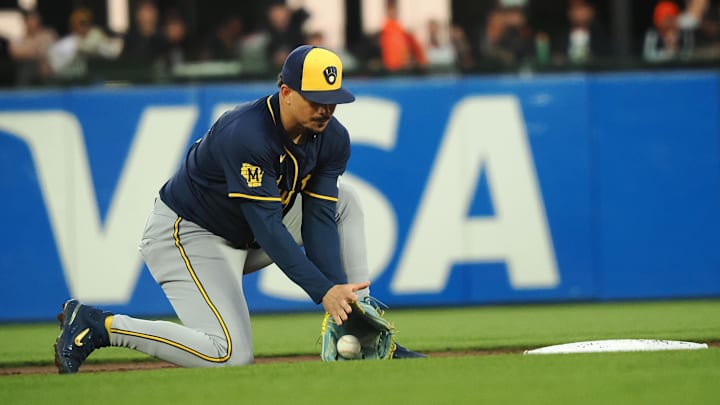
x=679, y=31
x=160, y=42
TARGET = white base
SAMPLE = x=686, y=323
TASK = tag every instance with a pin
x=618, y=345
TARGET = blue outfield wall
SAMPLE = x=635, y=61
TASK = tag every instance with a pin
x=477, y=190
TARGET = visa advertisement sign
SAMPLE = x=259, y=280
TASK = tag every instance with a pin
x=478, y=190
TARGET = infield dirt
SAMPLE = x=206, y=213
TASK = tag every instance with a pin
x=156, y=364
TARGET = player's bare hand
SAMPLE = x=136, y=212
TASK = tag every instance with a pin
x=338, y=298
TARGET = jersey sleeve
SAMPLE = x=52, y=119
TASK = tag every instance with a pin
x=319, y=229
x=265, y=220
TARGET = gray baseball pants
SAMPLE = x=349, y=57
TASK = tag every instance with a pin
x=201, y=275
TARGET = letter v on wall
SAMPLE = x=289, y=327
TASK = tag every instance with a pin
x=100, y=261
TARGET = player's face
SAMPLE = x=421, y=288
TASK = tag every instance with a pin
x=311, y=116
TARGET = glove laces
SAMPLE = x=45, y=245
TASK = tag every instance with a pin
x=379, y=306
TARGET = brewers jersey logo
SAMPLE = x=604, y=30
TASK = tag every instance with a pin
x=330, y=74
x=252, y=174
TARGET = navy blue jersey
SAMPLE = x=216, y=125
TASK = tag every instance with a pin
x=239, y=179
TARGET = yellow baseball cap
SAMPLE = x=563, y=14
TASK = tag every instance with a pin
x=315, y=73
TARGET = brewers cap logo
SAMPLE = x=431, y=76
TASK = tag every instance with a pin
x=330, y=74
x=252, y=175
x=316, y=74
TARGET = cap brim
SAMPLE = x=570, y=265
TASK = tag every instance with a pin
x=339, y=96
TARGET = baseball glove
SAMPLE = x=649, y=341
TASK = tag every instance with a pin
x=366, y=322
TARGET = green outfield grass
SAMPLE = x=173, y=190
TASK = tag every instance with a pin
x=688, y=377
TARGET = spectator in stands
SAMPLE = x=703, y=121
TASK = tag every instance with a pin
x=177, y=47
x=463, y=49
x=29, y=53
x=585, y=39
x=68, y=57
x=440, y=51
x=665, y=39
x=144, y=42
x=672, y=34
x=225, y=43
x=508, y=40
x=284, y=32
x=399, y=48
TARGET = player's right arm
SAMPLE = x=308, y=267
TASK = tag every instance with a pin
x=265, y=220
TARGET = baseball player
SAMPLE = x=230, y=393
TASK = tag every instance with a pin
x=263, y=180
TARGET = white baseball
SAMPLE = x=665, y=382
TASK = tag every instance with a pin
x=348, y=346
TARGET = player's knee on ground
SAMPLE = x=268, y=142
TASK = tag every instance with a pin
x=240, y=354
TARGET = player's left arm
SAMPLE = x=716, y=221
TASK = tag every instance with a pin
x=320, y=197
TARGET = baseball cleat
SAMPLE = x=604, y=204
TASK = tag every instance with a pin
x=402, y=352
x=82, y=330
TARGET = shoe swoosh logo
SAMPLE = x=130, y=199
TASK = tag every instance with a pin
x=80, y=336
x=74, y=313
